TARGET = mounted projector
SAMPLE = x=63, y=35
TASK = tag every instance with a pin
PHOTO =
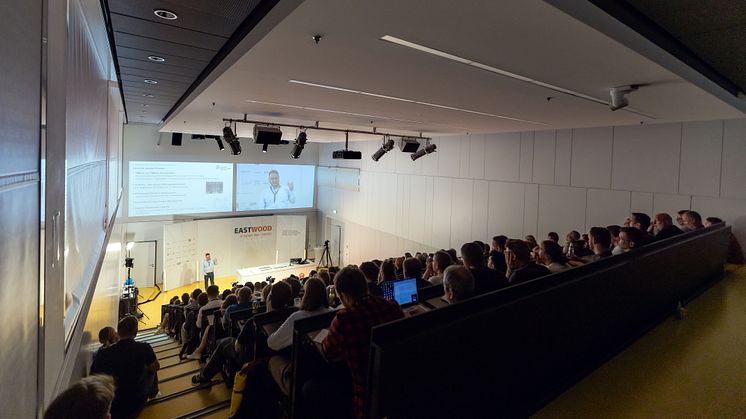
x=409, y=145
x=265, y=134
x=347, y=155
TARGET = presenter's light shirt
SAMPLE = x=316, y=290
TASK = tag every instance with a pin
x=281, y=197
x=208, y=266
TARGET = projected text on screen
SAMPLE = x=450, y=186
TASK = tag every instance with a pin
x=166, y=188
x=274, y=186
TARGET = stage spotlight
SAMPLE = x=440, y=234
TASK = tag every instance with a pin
x=387, y=146
x=220, y=144
x=300, y=142
x=430, y=148
x=232, y=141
x=264, y=148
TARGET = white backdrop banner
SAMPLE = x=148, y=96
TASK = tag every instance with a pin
x=291, y=237
x=180, y=258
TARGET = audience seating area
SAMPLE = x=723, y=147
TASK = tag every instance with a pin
x=503, y=353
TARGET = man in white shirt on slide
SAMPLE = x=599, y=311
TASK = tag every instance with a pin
x=275, y=195
x=208, y=269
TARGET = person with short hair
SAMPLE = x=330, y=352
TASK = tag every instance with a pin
x=276, y=195
x=371, y=271
x=388, y=271
x=614, y=231
x=570, y=239
x=349, y=334
x=639, y=220
x=213, y=301
x=553, y=236
x=412, y=268
x=680, y=219
x=600, y=243
x=441, y=260
x=185, y=299
x=518, y=259
x=458, y=283
x=551, y=256
x=107, y=336
x=295, y=286
x=243, y=302
x=454, y=256
x=735, y=251
x=208, y=269
x=632, y=238
x=663, y=227
x=133, y=365
x=89, y=398
x=692, y=221
x=496, y=259
x=485, y=279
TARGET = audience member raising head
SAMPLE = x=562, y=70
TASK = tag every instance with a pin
x=614, y=231
x=458, y=283
x=518, y=259
x=485, y=279
x=89, y=398
x=553, y=237
x=692, y=221
x=441, y=260
x=551, y=256
x=663, y=227
x=680, y=219
x=497, y=255
x=632, y=238
x=388, y=271
x=600, y=243
x=371, y=272
x=639, y=220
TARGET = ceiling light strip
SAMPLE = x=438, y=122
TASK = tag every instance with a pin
x=475, y=64
x=332, y=111
x=417, y=102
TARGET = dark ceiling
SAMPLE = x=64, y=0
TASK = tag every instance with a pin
x=189, y=45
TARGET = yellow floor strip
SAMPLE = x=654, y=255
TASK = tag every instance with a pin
x=168, y=353
x=218, y=414
x=172, y=361
x=187, y=403
x=180, y=384
x=162, y=348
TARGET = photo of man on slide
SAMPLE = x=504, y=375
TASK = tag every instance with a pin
x=277, y=196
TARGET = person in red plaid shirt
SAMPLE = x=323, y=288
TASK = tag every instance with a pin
x=349, y=333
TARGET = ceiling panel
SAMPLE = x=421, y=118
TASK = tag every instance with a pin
x=187, y=46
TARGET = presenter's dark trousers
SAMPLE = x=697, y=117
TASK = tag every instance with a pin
x=211, y=277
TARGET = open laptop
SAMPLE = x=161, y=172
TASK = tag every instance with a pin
x=404, y=291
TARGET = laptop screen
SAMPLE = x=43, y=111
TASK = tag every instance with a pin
x=404, y=291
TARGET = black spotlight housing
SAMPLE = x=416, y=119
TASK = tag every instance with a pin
x=232, y=141
x=385, y=148
x=430, y=148
x=300, y=142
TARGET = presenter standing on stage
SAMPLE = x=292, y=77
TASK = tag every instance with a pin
x=276, y=195
x=208, y=269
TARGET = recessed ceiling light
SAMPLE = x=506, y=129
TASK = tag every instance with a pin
x=147, y=95
x=165, y=14
x=145, y=105
x=401, y=99
x=144, y=111
x=156, y=58
x=333, y=111
x=442, y=54
x=150, y=81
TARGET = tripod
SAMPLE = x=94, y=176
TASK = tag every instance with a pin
x=326, y=258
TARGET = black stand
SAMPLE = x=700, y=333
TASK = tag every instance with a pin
x=326, y=258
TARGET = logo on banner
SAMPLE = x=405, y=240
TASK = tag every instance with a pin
x=250, y=231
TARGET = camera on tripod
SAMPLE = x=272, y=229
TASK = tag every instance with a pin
x=129, y=262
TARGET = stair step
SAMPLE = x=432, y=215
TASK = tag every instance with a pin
x=168, y=373
x=183, y=383
x=168, y=352
x=187, y=403
x=218, y=414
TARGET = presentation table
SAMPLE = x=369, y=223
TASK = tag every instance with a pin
x=279, y=272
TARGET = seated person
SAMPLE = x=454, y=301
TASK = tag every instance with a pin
x=230, y=352
x=692, y=221
x=133, y=365
x=89, y=398
x=518, y=259
x=413, y=269
x=458, y=283
x=387, y=272
x=371, y=275
x=632, y=238
x=600, y=242
x=349, y=334
x=295, y=286
x=496, y=259
x=213, y=301
x=107, y=336
x=185, y=299
x=485, y=279
x=189, y=332
x=570, y=238
x=551, y=256
x=244, y=303
x=441, y=260
x=314, y=303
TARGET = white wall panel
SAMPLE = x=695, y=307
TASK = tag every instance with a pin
x=701, y=151
x=506, y=209
x=732, y=211
x=641, y=202
x=734, y=159
x=591, y=157
x=461, y=212
x=502, y=156
x=476, y=157
x=464, y=156
x=428, y=206
x=428, y=165
x=563, y=157
x=417, y=196
x=606, y=207
x=544, y=157
x=441, y=219
x=646, y=158
x=450, y=148
x=531, y=210
x=670, y=203
x=526, y=166
x=480, y=211
x=402, y=205
x=561, y=209
x=402, y=161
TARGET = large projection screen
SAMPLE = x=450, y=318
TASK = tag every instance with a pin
x=167, y=188
x=261, y=187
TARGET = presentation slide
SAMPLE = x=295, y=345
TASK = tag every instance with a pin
x=165, y=188
x=274, y=186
